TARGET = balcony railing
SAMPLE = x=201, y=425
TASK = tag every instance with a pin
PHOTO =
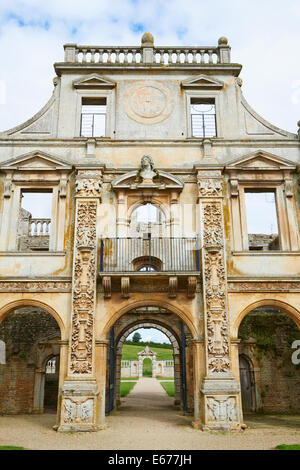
x=119, y=255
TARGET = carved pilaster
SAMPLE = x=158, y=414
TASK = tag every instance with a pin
x=78, y=409
x=220, y=409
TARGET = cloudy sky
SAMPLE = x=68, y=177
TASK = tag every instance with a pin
x=263, y=34
x=151, y=334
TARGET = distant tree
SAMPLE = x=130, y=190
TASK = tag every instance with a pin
x=136, y=337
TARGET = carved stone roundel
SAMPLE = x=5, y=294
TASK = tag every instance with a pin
x=148, y=102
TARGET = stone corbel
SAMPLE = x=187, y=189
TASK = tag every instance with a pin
x=173, y=286
x=63, y=187
x=234, y=188
x=125, y=286
x=106, y=283
x=288, y=188
x=191, y=287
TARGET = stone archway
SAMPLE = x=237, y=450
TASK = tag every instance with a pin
x=183, y=348
x=269, y=379
x=31, y=336
x=176, y=355
x=147, y=353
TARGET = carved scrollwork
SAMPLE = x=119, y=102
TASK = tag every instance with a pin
x=77, y=411
x=214, y=276
x=84, y=286
x=221, y=409
x=210, y=187
x=212, y=230
x=88, y=183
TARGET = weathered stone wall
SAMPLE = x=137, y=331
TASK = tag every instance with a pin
x=21, y=331
x=277, y=378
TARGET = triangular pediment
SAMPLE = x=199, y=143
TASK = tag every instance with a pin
x=202, y=82
x=261, y=160
x=94, y=81
x=35, y=161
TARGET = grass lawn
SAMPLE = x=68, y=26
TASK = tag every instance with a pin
x=288, y=447
x=169, y=388
x=125, y=379
x=126, y=387
x=130, y=352
x=11, y=448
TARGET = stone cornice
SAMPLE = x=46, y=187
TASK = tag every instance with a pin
x=228, y=69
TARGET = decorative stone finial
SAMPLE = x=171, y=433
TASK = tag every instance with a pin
x=239, y=81
x=147, y=39
x=223, y=41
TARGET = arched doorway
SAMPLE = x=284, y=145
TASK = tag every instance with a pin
x=180, y=338
x=32, y=337
x=270, y=381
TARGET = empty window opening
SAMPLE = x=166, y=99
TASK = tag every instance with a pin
x=35, y=220
x=93, y=117
x=262, y=220
x=203, y=117
x=147, y=220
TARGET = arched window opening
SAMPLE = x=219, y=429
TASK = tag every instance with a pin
x=147, y=263
x=147, y=220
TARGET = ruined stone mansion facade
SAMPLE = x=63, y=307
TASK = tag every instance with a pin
x=149, y=156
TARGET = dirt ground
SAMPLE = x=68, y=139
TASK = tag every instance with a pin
x=148, y=419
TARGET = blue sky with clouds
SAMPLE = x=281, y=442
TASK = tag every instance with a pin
x=263, y=34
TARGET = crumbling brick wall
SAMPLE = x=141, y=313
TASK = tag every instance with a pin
x=279, y=378
x=21, y=331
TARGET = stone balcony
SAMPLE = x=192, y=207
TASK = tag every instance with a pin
x=163, y=264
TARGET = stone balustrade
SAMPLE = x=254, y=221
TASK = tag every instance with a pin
x=147, y=54
x=39, y=227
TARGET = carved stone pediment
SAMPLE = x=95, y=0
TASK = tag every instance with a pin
x=93, y=82
x=202, y=82
x=35, y=161
x=147, y=177
x=260, y=160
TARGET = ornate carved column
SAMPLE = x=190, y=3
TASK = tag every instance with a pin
x=220, y=391
x=80, y=389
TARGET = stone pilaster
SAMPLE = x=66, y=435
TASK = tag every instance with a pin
x=219, y=389
x=80, y=391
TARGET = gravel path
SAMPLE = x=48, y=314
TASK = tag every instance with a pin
x=148, y=419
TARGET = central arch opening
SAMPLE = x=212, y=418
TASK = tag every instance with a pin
x=151, y=351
